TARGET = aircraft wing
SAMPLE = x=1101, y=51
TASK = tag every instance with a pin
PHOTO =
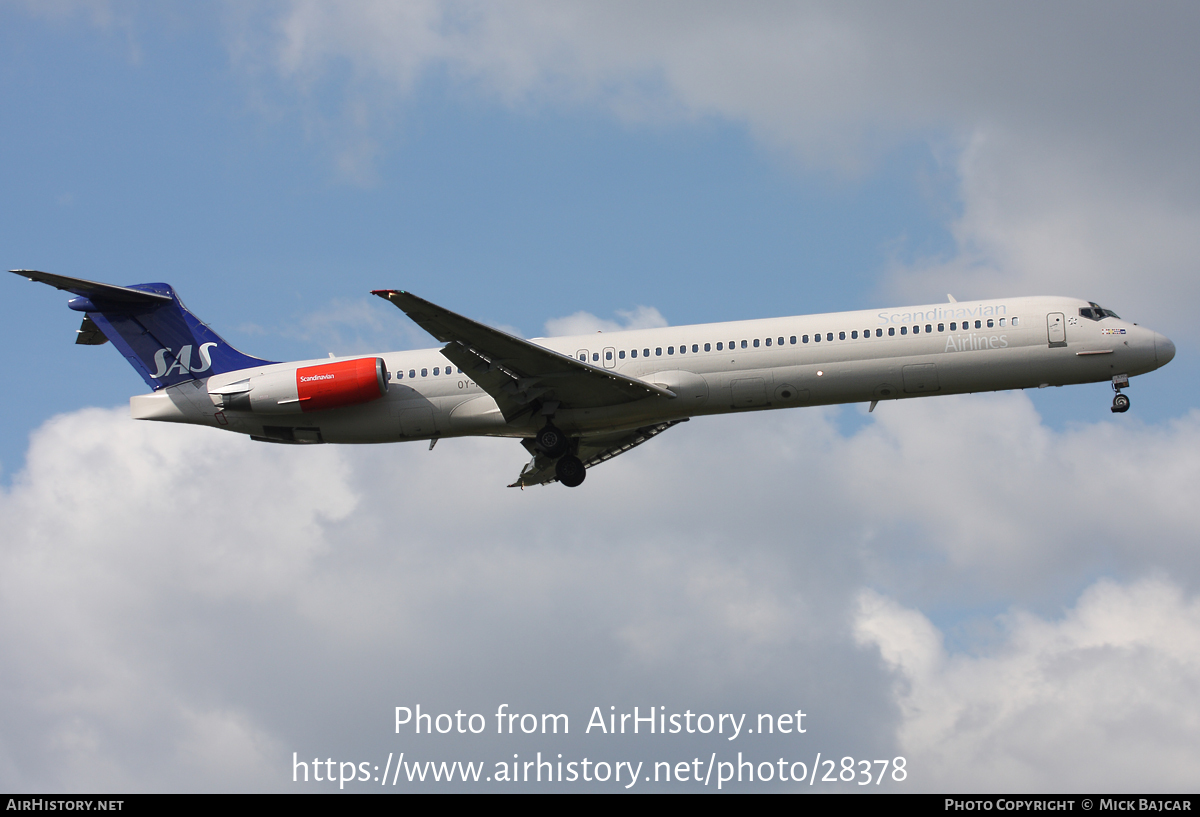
x=592, y=450
x=519, y=375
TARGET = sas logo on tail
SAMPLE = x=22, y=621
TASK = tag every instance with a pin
x=182, y=361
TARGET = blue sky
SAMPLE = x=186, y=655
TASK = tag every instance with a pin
x=520, y=163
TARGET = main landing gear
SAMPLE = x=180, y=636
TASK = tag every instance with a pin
x=1120, y=402
x=554, y=444
x=570, y=471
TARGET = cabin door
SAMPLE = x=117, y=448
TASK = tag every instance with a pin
x=1056, y=329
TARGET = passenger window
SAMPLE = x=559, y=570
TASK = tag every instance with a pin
x=595, y=357
x=633, y=353
x=708, y=347
x=1002, y=321
x=841, y=335
x=768, y=342
x=412, y=373
x=719, y=346
x=645, y=353
x=793, y=340
x=744, y=344
x=854, y=335
x=941, y=327
x=682, y=350
x=424, y=373
x=891, y=331
x=953, y=326
x=1014, y=321
x=696, y=348
x=903, y=330
x=978, y=324
x=828, y=336
x=583, y=358
x=805, y=338
x=917, y=329
x=670, y=350
x=435, y=370
x=658, y=351
x=928, y=328
x=608, y=355
x=400, y=375
x=781, y=341
x=878, y=333
x=621, y=354
x=755, y=343
x=991, y=323
x=817, y=337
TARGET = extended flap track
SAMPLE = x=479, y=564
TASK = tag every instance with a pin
x=643, y=435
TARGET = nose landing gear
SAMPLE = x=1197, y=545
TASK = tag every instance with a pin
x=1120, y=402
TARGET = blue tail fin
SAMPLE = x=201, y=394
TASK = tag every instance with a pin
x=151, y=327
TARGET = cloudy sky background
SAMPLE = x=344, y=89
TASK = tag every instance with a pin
x=1000, y=588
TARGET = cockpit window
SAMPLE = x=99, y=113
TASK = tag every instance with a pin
x=1096, y=312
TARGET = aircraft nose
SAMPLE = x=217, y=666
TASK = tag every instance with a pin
x=1164, y=350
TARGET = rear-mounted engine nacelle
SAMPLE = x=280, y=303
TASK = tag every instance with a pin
x=306, y=389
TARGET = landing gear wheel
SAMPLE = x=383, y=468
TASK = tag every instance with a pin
x=570, y=471
x=1120, y=404
x=552, y=442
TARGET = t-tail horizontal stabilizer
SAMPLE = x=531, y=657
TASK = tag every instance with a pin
x=150, y=326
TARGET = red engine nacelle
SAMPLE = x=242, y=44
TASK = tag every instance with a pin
x=344, y=383
x=309, y=388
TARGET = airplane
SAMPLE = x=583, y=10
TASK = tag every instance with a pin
x=576, y=402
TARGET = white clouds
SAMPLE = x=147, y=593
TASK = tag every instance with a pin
x=806, y=76
x=1076, y=124
x=176, y=601
x=1046, y=216
x=585, y=323
x=118, y=569
x=1111, y=686
x=352, y=326
x=1084, y=496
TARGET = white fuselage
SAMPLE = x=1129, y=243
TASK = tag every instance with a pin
x=717, y=368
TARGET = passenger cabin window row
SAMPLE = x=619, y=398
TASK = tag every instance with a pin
x=758, y=343
x=437, y=371
x=1095, y=313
